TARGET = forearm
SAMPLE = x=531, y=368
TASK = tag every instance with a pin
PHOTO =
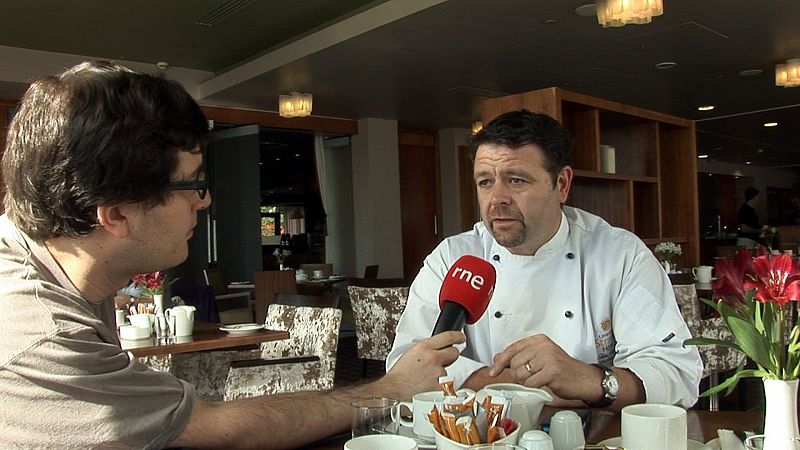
x=631, y=390
x=272, y=422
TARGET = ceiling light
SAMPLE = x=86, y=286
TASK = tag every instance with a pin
x=617, y=13
x=771, y=124
x=666, y=65
x=296, y=104
x=476, y=126
x=750, y=72
x=748, y=162
x=587, y=10
x=705, y=108
x=788, y=75
x=703, y=156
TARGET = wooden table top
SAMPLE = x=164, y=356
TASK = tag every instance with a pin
x=206, y=336
x=702, y=426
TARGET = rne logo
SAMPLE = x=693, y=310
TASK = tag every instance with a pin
x=475, y=281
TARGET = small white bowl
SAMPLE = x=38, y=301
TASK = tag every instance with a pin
x=443, y=443
x=133, y=333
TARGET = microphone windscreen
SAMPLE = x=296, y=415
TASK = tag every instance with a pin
x=470, y=283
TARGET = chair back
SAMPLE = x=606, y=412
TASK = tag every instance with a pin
x=716, y=358
x=327, y=269
x=312, y=332
x=214, y=279
x=371, y=272
x=379, y=282
x=269, y=282
x=328, y=300
x=377, y=311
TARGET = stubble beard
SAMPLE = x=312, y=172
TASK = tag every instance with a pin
x=509, y=237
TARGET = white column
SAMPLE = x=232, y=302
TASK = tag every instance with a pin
x=449, y=141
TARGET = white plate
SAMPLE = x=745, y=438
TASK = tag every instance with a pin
x=336, y=277
x=241, y=282
x=422, y=442
x=617, y=442
x=240, y=329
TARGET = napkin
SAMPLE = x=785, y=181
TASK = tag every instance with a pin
x=728, y=440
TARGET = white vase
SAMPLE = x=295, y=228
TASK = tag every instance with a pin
x=280, y=266
x=158, y=302
x=780, y=420
x=666, y=265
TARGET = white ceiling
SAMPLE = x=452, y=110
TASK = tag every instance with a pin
x=429, y=63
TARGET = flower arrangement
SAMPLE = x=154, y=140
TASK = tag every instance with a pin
x=280, y=254
x=751, y=296
x=667, y=250
x=151, y=283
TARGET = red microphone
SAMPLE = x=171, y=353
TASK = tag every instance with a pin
x=465, y=293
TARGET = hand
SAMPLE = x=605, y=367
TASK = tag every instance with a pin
x=419, y=369
x=551, y=367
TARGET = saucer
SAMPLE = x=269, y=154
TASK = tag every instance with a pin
x=422, y=442
x=692, y=445
x=241, y=329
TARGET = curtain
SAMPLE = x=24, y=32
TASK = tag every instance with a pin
x=322, y=178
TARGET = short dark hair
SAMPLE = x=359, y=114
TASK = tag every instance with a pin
x=515, y=129
x=98, y=134
x=749, y=193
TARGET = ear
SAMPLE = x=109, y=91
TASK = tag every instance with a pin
x=563, y=183
x=115, y=219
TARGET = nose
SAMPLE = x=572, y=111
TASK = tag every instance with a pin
x=500, y=194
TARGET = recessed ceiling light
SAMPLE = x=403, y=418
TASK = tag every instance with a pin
x=761, y=150
x=705, y=108
x=703, y=156
x=748, y=162
x=297, y=154
x=771, y=124
x=666, y=65
x=750, y=72
x=277, y=159
x=588, y=10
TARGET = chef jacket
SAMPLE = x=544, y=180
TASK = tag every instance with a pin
x=595, y=290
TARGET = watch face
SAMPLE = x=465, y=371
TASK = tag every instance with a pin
x=612, y=385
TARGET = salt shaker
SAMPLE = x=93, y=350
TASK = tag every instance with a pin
x=566, y=430
x=536, y=440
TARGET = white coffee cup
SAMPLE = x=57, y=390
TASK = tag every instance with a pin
x=702, y=274
x=381, y=441
x=300, y=275
x=420, y=405
x=653, y=427
x=318, y=274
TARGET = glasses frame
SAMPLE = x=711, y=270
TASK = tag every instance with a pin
x=199, y=184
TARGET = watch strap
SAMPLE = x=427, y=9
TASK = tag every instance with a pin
x=608, y=398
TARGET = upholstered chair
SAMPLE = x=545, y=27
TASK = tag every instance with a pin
x=376, y=311
x=304, y=362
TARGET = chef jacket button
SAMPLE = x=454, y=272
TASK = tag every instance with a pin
x=570, y=255
x=498, y=314
x=496, y=257
x=568, y=314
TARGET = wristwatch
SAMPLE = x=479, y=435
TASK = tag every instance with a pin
x=610, y=385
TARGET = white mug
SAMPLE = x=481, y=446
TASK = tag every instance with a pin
x=702, y=274
x=653, y=427
x=420, y=405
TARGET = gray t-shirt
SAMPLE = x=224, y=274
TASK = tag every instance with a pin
x=64, y=380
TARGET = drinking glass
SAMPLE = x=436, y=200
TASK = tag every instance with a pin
x=377, y=415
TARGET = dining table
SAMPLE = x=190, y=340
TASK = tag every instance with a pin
x=205, y=336
x=702, y=426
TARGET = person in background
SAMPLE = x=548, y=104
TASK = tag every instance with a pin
x=580, y=308
x=749, y=228
x=104, y=174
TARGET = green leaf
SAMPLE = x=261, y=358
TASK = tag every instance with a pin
x=732, y=381
x=750, y=341
x=711, y=341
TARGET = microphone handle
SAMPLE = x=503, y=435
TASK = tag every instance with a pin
x=451, y=318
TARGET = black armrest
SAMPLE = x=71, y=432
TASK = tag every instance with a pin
x=271, y=362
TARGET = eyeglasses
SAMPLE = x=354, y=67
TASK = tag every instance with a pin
x=199, y=184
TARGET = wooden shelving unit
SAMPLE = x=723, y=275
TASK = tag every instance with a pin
x=653, y=191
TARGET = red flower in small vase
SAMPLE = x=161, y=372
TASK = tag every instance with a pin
x=776, y=279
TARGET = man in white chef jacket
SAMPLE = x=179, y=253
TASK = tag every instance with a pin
x=580, y=308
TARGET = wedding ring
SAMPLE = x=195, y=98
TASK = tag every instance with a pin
x=528, y=367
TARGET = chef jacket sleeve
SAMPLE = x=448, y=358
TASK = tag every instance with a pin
x=650, y=331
